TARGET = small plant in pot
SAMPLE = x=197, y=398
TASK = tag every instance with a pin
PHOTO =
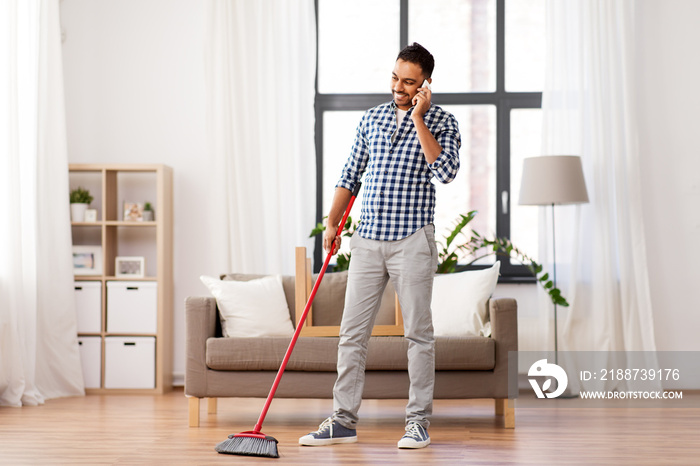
x=80, y=199
x=148, y=214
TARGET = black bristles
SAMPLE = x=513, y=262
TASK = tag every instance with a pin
x=249, y=446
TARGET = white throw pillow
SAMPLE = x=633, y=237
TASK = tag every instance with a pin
x=459, y=302
x=256, y=308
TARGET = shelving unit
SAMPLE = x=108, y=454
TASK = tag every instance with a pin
x=111, y=186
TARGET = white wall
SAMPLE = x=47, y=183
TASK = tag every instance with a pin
x=134, y=86
x=134, y=76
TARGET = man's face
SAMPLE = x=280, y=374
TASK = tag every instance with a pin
x=406, y=78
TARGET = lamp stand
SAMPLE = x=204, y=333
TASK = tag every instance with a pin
x=568, y=393
x=554, y=280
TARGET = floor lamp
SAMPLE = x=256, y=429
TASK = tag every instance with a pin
x=550, y=180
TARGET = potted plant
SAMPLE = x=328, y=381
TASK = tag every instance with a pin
x=474, y=244
x=148, y=213
x=80, y=199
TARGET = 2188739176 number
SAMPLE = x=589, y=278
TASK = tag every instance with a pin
x=640, y=374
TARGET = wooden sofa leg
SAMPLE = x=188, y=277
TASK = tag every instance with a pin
x=194, y=411
x=211, y=405
x=507, y=409
x=499, y=404
x=510, y=417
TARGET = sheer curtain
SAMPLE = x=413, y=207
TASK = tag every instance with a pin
x=261, y=64
x=38, y=340
x=588, y=110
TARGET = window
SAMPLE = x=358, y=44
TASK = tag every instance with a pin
x=489, y=72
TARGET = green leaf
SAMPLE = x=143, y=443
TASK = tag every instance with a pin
x=448, y=265
x=457, y=229
x=559, y=301
x=343, y=262
x=320, y=228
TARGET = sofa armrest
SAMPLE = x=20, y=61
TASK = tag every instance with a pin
x=504, y=330
x=503, y=313
x=200, y=324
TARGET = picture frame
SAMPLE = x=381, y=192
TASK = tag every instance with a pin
x=91, y=215
x=130, y=267
x=87, y=260
x=133, y=212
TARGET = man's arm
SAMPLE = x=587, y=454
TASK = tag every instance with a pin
x=443, y=156
x=352, y=173
x=431, y=148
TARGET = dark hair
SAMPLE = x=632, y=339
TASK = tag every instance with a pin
x=416, y=53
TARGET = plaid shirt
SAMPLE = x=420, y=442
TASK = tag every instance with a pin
x=399, y=198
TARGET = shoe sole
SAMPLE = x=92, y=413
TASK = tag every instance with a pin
x=314, y=442
x=414, y=445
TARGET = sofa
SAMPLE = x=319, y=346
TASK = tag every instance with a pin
x=466, y=366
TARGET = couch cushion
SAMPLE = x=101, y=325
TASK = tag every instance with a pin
x=287, y=286
x=255, y=308
x=321, y=354
x=329, y=302
x=460, y=302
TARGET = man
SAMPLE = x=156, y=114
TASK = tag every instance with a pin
x=400, y=146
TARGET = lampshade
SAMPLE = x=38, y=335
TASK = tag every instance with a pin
x=553, y=179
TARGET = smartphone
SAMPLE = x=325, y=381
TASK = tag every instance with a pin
x=426, y=84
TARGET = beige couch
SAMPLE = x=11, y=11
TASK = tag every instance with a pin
x=466, y=367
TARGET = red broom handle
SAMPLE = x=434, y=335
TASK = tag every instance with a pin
x=302, y=319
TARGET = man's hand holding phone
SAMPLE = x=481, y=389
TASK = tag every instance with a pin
x=421, y=100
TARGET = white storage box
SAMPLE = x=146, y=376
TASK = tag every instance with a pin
x=91, y=358
x=132, y=307
x=88, y=306
x=130, y=362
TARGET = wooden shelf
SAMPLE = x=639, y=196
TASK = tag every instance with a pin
x=87, y=278
x=112, y=185
x=132, y=279
x=87, y=224
x=114, y=223
x=120, y=223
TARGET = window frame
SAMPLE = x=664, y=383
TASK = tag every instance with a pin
x=504, y=101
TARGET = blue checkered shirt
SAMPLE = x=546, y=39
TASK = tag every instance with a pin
x=399, y=197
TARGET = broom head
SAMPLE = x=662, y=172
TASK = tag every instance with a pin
x=249, y=444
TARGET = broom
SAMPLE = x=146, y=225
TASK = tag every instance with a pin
x=254, y=442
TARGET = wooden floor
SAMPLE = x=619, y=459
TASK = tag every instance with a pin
x=111, y=429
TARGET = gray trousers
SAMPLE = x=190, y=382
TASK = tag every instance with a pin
x=410, y=263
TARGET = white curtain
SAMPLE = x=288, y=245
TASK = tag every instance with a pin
x=260, y=64
x=588, y=110
x=38, y=340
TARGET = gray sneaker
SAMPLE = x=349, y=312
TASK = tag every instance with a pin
x=416, y=436
x=329, y=432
